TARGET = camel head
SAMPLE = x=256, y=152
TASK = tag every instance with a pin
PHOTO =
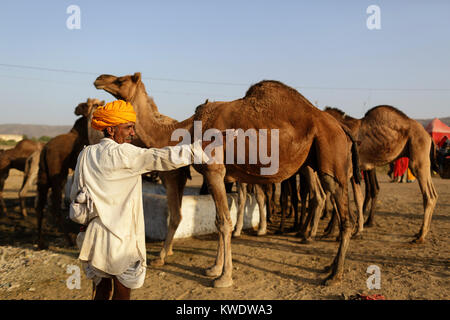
x=123, y=88
x=86, y=108
x=335, y=112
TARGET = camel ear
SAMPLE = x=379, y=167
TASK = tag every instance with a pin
x=136, y=77
x=206, y=101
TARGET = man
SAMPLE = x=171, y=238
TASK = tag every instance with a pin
x=113, y=250
x=443, y=152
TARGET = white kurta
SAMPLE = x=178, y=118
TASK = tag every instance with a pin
x=112, y=174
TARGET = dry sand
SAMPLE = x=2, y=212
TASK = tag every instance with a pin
x=268, y=267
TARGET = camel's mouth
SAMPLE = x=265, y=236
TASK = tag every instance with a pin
x=102, y=81
x=106, y=82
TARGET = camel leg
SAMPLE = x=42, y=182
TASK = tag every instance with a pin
x=2, y=185
x=269, y=191
x=372, y=190
x=31, y=173
x=429, y=198
x=56, y=197
x=23, y=191
x=242, y=199
x=333, y=221
x=174, y=183
x=41, y=201
x=294, y=201
x=340, y=199
x=304, y=193
x=260, y=198
x=316, y=204
x=367, y=195
x=284, y=193
x=223, y=265
x=358, y=197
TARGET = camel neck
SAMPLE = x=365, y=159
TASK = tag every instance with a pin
x=154, y=129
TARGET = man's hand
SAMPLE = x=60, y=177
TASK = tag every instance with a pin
x=224, y=138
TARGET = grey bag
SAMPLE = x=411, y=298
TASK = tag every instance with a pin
x=82, y=207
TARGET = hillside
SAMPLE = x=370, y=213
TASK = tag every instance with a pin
x=37, y=131
x=33, y=130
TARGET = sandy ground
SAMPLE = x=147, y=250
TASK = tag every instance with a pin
x=268, y=267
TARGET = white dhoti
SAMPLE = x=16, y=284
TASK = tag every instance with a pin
x=133, y=277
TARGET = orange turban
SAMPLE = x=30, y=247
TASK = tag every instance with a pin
x=112, y=114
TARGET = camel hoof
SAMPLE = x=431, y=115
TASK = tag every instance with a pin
x=42, y=246
x=157, y=262
x=357, y=236
x=223, y=282
x=369, y=224
x=299, y=235
x=261, y=232
x=331, y=281
x=213, y=271
x=307, y=241
x=327, y=269
x=418, y=241
x=236, y=234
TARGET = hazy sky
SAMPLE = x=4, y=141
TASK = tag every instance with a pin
x=188, y=51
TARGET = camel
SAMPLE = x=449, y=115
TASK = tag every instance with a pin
x=306, y=135
x=385, y=134
x=22, y=157
x=57, y=157
x=152, y=130
x=312, y=136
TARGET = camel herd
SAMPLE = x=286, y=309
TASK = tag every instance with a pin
x=326, y=149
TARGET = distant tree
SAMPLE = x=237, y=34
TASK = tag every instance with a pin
x=45, y=139
x=8, y=142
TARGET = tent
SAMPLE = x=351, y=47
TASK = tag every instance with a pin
x=438, y=130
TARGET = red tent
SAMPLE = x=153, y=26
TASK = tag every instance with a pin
x=438, y=130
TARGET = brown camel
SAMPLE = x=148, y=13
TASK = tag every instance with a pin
x=306, y=135
x=258, y=190
x=314, y=137
x=22, y=157
x=58, y=156
x=372, y=187
x=153, y=130
x=385, y=134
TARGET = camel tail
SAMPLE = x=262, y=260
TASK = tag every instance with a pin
x=187, y=171
x=43, y=173
x=433, y=157
x=355, y=156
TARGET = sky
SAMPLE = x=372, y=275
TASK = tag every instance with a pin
x=190, y=51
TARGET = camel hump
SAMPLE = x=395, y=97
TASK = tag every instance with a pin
x=385, y=110
x=268, y=88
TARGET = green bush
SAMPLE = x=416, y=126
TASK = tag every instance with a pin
x=8, y=142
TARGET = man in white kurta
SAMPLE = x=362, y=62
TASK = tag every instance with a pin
x=114, y=241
